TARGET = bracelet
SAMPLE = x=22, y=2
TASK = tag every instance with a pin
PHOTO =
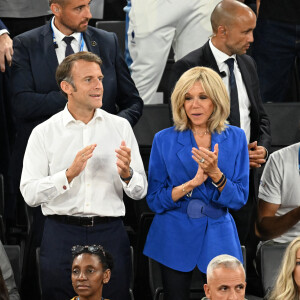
x=189, y=194
x=216, y=184
x=222, y=183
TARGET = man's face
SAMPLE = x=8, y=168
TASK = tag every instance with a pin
x=87, y=94
x=226, y=284
x=239, y=35
x=73, y=16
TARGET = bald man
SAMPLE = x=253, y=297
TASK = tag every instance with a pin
x=225, y=279
x=233, y=23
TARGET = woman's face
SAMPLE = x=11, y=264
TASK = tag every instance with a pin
x=297, y=269
x=88, y=276
x=198, y=106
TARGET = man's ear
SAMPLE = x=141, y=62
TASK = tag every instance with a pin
x=106, y=276
x=66, y=87
x=207, y=290
x=222, y=31
x=55, y=8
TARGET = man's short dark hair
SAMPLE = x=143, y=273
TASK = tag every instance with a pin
x=64, y=70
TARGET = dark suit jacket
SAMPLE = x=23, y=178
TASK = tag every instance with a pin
x=2, y=26
x=36, y=94
x=260, y=124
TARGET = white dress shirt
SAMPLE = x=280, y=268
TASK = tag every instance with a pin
x=61, y=49
x=2, y=31
x=244, y=102
x=98, y=189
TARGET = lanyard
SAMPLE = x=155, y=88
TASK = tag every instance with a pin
x=55, y=43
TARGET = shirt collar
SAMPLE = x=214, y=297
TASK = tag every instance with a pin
x=220, y=56
x=69, y=119
x=59, y=35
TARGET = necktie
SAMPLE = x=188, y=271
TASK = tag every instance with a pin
x=69, y=49
x=234, y=117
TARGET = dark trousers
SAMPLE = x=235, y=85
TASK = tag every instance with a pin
x=177, y=284
x=55, y=257
x=275, y=48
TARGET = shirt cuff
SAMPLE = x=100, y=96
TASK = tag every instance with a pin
x=3, y=31
x=135, y=188
x=60, y=181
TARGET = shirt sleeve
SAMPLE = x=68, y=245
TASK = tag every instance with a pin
x=37, y=186
x=270, y=184
x=137, y=186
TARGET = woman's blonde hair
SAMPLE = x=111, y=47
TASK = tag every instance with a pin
x=286, y=287
x=214, y=88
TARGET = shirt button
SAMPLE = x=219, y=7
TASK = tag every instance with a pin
x=64, y=187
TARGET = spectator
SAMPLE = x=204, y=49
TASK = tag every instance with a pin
x=155, y=26
x=8, y=275
x=198, y=169
x=79, y=182
x=36, y=96
x=276, y=47
x=226, y=279
x=288, y=281
x=279, y=197
x=91, y=269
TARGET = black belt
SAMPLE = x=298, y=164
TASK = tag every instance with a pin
x=82, y=221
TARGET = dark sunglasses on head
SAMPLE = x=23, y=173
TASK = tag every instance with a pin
x=87, y=249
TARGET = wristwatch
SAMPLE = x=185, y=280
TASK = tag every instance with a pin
x=130, y=176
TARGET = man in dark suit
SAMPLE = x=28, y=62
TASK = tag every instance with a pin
x=36, y=96
x=233, y=24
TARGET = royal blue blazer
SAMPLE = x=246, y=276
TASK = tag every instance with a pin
x=174, y=239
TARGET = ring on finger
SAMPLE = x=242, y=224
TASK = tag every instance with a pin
x=202, y=160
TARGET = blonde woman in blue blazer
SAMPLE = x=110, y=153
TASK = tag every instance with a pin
x=198, y=169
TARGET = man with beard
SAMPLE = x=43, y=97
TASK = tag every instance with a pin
x=36, y=96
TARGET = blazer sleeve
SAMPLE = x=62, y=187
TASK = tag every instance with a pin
x=264, y=138
x=2, y=26
x=159, y=197
x=28, y=103
x=129, y=101
x=235, y=193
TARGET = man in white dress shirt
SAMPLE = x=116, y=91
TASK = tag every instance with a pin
x=76, y=166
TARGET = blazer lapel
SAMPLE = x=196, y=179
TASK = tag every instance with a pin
x=91, y=42
x=246, y=78
x=48, y=47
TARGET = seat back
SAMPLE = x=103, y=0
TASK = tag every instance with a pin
x=271, y=257
x=118, y=27
x=285, y=123
x=14, y=255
